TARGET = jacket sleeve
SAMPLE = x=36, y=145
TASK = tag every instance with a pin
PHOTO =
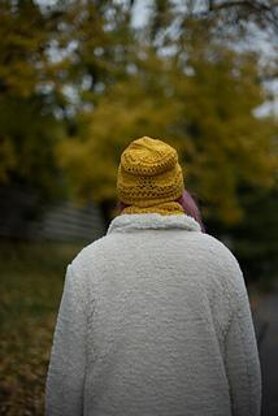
x=66, y=372
x=241, y=355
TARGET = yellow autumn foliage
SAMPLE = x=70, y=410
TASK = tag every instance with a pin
x=207, y=115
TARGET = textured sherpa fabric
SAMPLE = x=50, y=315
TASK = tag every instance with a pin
x=154, y=321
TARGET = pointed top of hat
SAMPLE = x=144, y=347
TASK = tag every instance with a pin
x=148, y=157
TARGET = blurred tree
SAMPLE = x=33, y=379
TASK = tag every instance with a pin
x=256, y=238
x=28, y=129
x=204, y=109
x=53, y=62
x=88, y=49
x=263, y=13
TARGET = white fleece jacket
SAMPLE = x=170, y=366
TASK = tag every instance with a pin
x=154, y=321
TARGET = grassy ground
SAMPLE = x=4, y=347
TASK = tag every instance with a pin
x=32, y=278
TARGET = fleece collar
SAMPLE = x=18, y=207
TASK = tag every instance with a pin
x=131, y=222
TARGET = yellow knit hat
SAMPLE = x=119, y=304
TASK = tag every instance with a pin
x=149, y=174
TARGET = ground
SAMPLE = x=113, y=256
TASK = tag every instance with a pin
x=31, y=285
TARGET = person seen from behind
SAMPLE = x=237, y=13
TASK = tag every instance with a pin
x=155, y=318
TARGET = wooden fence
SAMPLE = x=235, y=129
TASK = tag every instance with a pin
x=23, y=217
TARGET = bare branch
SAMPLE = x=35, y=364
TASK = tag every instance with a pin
x=269, y=13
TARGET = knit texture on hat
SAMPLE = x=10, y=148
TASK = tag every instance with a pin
x=150, y=178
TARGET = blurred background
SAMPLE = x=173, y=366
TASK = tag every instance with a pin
x=79, y=79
